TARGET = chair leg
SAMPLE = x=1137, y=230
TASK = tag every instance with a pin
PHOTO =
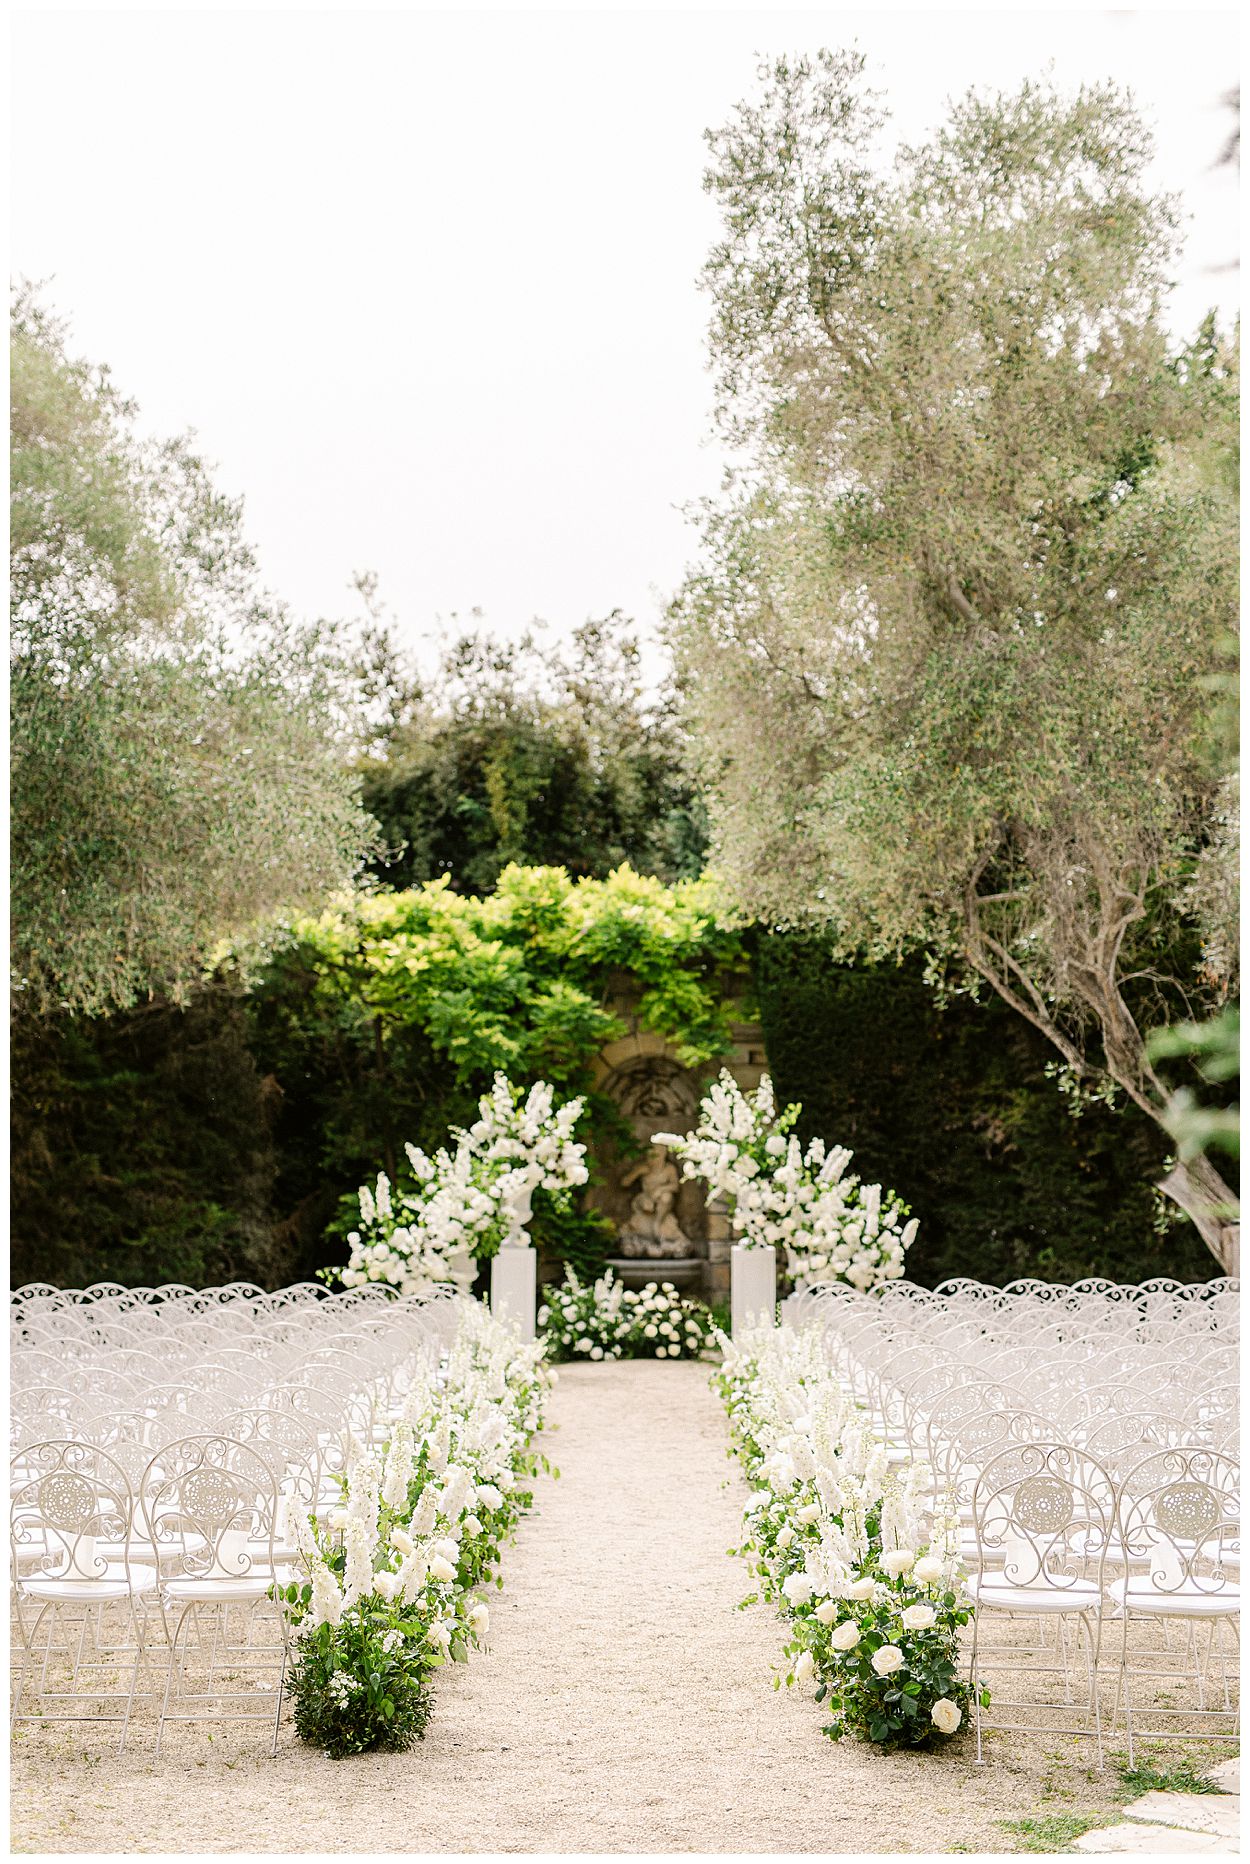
x=169, y=1676
x=1062, y=1637
x=134, y=1675
x=47, y=1649
x=277, y=1714
x=1091, y=1669
x=972, y=1680
x=28, y=1657
x=1126, y=1686
x=82, y=1639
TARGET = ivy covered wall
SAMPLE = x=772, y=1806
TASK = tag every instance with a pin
x=953, y=1109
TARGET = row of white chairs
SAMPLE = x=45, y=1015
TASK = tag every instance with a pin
x=150, y=1522
x=1091, y=1474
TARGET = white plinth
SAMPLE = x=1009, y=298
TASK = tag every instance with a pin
x=752, y=1288
x=790, y=1309
x=514, y=1288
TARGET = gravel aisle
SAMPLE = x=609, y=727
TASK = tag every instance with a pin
x=624, y=1704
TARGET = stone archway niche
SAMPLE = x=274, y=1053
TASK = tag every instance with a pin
x=665, y=1228
x=660, y=1217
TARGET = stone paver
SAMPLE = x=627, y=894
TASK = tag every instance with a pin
x=1177, y=1824
x=1216, y=1813
x=1152, y=1841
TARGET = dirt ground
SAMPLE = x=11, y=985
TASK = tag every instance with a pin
x=624, y=1705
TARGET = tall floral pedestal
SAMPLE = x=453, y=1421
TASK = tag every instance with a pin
x=790, y=1310
x=752, y=1288
x=514, y=1288
x=462, y=1270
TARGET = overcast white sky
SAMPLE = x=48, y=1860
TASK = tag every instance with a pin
x=424, y=282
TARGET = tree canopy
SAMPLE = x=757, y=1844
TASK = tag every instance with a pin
x=951, y=643
x=521, y=752
x=181, y=755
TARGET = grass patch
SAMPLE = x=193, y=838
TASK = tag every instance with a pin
x=1056, y=1831
x=1184, y=1777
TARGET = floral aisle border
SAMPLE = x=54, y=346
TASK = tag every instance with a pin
x=394, y=1575
x=873, y=1596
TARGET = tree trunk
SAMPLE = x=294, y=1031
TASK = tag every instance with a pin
x=1205, y=1198
x=1196, y=1187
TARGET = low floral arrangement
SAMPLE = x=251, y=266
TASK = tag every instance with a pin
x=874, y=1598
x=606, y=1320
x=394, y=1574
x=666, y=1326
x=467, y=1200
x=585, y=1320
x=831, y=1226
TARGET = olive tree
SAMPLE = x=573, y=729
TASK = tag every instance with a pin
x=958, y=614
x=181, y=753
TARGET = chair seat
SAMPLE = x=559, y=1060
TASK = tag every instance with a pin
x=77, y=1591
x=1082, y=1596
x=204, y=1591
x=1185, y=1602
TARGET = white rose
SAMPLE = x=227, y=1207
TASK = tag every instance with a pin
x=945, y=1715
x=797, y=1588
x=785, y=1537
x=861, y=1589
x=805, y=1667
x=887, y=1660
x=807, y=1514
x=898, y=1561
x=442, y=1570
x=385, y=1585
x=827, y=1611
x=401, y=1541
x=928, y=1571
x=919, y=1618
x=479, y=1618
x=846, y=1635
x=472, y=1526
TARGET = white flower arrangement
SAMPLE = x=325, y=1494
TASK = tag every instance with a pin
x=467, y=1199
x=605, y=1320
x=585, y=1320
x=862, y=1564
x=393, y=1576
x=831, y=1227
x=664, y=1326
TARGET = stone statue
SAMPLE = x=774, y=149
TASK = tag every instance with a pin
x=652, y=1229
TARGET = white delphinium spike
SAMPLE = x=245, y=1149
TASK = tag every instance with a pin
x=397, y=1473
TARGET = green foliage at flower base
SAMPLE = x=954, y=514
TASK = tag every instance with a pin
x=891, y=1711
x=352, y=1694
